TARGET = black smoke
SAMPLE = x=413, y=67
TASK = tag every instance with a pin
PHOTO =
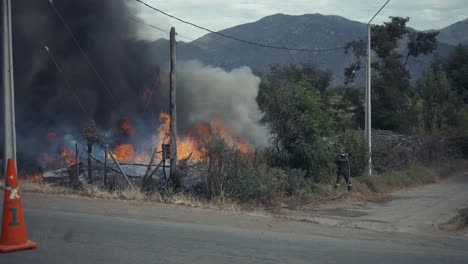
x=134, y=72
x=128, y=67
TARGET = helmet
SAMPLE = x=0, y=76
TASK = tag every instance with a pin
x=342, y=153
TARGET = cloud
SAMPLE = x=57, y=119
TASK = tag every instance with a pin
x=218, y=14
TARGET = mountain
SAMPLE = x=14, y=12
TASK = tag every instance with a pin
x=455, y=33
x=310, y=31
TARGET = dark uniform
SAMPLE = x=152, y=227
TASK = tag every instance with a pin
x=343, y=169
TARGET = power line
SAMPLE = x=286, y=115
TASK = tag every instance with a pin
x=345, y=89
x=235, y=38
x=416, y=61
x=66, y=81
x=155, y=27
x=378, y=12
x=88, y=60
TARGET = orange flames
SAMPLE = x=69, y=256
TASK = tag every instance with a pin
x=124, y=152
x=66, y=156
x=127, y=128
x=163, y=130
x=218, y=126
x=189, y=143
x=37, y=177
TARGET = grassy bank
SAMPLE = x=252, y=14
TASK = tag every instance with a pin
x=128, y=194
x=365, y=187
x=412, y=177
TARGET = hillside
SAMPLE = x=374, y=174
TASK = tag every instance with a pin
x=311, y=31
x=455, y=33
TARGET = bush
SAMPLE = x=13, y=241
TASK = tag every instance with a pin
x=355, y=143
x=252, y=185
x=245, y=178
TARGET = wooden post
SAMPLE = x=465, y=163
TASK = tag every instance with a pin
x=106, y=150
x=90, y=164
x=121, y=171
x=77, y=165
x=173, y=108
x=164, y=172
x=148, y=169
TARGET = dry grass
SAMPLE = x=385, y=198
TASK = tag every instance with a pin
x=129, y=194
x=412, y=177
x=364, y=188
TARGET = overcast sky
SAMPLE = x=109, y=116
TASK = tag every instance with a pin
x=221, y=14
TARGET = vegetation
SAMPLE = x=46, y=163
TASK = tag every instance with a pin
x=294, y=102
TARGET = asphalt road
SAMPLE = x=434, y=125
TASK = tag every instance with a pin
x=74, y=230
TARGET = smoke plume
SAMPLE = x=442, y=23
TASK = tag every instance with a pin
x=132, y=77
x=209, y=92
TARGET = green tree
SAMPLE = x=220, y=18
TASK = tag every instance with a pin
x=439, y=102
x=457, y=71
x=349, y=109
x=297, y=116
x=392, y=96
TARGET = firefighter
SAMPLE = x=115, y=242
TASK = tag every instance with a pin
x=343, y=169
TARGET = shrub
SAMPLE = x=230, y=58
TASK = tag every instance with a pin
x=245, y=178
x=356, y=145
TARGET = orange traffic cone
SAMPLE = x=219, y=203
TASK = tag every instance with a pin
x=13, y=236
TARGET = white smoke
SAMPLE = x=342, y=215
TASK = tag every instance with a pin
x=208, y=92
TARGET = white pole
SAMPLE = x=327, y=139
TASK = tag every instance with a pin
x=9, y=143
x=368, y=97
x=368, y=126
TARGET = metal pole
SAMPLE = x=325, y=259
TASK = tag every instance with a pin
x=368, y=97
x=9, y=143
x=368, y=126
x=173, y=108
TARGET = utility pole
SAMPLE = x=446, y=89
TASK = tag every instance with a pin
x=368, y=108
x=173, y=108
x=9, y=142
x=368, y=97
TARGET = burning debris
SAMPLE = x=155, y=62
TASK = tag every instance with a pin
x=131, y=106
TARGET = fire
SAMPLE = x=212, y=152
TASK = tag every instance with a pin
x=164, y=127
x=124, y=152
x=187, y=146
x=220, y=127
x=36, y=177
x=189, y=143
x=66, y=156
x=47, y=159
x=127, y=127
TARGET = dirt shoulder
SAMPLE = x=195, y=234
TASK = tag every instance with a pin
x=418, y=210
